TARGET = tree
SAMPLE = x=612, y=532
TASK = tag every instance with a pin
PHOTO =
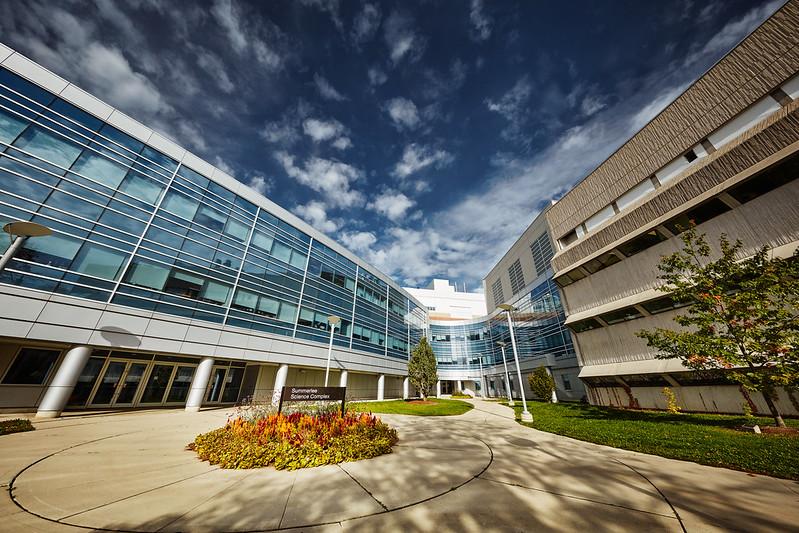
x=743, y=315
x=541, y=383
x=422, y=368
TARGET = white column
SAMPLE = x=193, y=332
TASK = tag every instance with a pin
x=342, y=379
x=406, y=388
x=460, y=386
x=59, y=390
x=199, y=384
x=280, y=382
x=438, y=389
x=381, y=386
x=554, y=398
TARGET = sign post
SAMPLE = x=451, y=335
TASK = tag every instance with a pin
x=312, y=394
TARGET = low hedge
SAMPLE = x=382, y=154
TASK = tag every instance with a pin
x=296, y=440
x=17, y=425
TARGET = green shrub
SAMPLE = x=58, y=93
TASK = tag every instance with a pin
x=671, y=401
x=17, y=425
x=541, y=383
x=296, y=440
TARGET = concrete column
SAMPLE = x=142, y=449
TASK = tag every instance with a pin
x=60, y=389
x=280, y=382
x=381, y=386
x=554, y=398
x=460, y=386
x=342, y=380
x=199, y=384
x=406, y=388
x=438, y=389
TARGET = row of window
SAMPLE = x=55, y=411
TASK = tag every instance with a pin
x=756, y=112
x=516, y=276
x=764, y=182
x=653, y=307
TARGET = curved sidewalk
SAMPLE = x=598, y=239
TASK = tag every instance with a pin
x=478, y=471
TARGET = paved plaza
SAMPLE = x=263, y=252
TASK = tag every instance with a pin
x=476, y=472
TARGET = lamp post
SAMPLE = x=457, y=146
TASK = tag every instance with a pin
x=332, y=320
x=482, y=379
x=19, y=231
x=526, y=416
x=507, y=376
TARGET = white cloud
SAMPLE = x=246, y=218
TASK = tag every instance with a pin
x=246, y=32
x=326, y=90
x=315, y=213
x=321, y=130
x=342, y=143
x=286, y=130
x=223, y=165
x=415, y=157
x=366, y=23
x=331, y=7
x=332, y=178
x=391, y=204
x=514, y=102
x=226, y=13
x=358, y=241
x=481, y=23
x=403, y=112
x=216, y=70
x=376, y=76
x=261, y=184
x=592, y=104
x=402, y=39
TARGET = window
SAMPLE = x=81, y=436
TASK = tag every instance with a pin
x=634, y=194
x=10, y=126
x=603, y=261
x=48, y=146
x=180, y=205
x=620, y=315
x=542, y=251
x=767, y=180
x=496, y=291
x=55, y=250
x=141, y=188
x=245, y=300
x=99, y=168
x=516, y=276
x=215, y=293
x=98, y=261
x=282, y=252
x=698, y=215
x=236, y=229
x=31, y=367
x=585, y=325
x=641, y=243
x=262, y=240
x=150, y=275
x=184, y=284
x=659, y=305
x=210, y=218
x=599, y=217
x=568, y=239
x=567, y=384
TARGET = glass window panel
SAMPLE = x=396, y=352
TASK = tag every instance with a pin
x=640, y=243
x=215, y=292
x=268, y=306
x=23, y=86
x=287, y=312
x=232, y=385
x=125, y=140
x=148, y=275
x=221, y=192
x=100, y=168
x=98, y=261
x=86, y=381
x=48, y=146
x=141, y=188
x=297, y=259
x=262, y=240
x=157, y=157
x=23, y=187
x=156, y=384
x=247, y=206
x=180, y=205
x=75, y=205
x=620, y=315
x=210, y=218
x=10, y=126
x=282, y=252
x=194, y=177
x=237, y=229
x=81, y=117
x=31, y=367
x=55, y=250
x=122, y=222
x=245, y=300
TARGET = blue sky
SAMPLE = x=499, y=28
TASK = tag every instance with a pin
x=424, y=136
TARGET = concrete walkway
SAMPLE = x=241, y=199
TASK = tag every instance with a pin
x=477, y=472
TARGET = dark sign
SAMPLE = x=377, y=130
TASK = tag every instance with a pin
x=313, y=394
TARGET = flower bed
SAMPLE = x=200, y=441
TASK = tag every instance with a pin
x=297, y=440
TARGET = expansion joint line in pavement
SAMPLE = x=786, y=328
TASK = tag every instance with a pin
x=673, y=509
x=381, y=504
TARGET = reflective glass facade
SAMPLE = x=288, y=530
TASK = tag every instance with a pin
x=537, y=323
x=134, y=227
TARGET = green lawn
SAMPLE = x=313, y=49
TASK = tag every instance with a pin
x=437, y=407
x=705, y=439
x=16, y=425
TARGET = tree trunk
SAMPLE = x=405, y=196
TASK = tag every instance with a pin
x=773, y=408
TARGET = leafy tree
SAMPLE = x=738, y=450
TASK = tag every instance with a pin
x=422, y=368
x=743, y=316
x=541, y=383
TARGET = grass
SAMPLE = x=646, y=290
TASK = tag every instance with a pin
x=436, y=407
x=702, y=438
x=16, y=425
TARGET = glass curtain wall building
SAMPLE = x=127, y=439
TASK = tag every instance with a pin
x=139, y=228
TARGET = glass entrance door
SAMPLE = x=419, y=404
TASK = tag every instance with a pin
x=119, y=384
x=157, y=384
x=215, y=385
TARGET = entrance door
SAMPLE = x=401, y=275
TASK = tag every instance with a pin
x=157, y=384
x=215, y=385
x=119, y=384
